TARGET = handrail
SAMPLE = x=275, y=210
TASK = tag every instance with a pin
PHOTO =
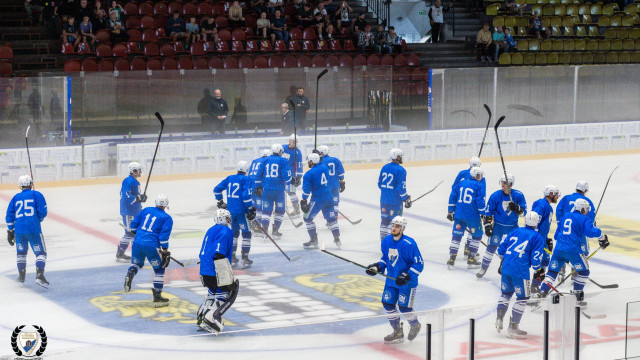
x=382, y=10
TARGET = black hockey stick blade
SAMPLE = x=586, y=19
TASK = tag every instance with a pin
x=293, y=222
x=276, y=244
x=428, y=192
x=349, y=220
x=160, y=119
x=488, y=110
x=355, y=263
x=495, y=127
x=593, y=317
x=176, y=261
x=322, y=73
x=610, y=286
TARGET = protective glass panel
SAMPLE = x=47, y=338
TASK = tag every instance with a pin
x=632, y=340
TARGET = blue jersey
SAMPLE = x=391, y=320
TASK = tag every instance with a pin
x=401, y=256
x=153, y=227
x=392, y=184
x=498, y=203
x=238, y=188
x=274, y=174
x=467, y=200
x=544, y=209
x=128, y=204
x=522, y=248
x=336, y=171
x=316, y=183
x=566, y=206
x=217, y=240
x=466, y=175
x=25, y=212
x=295, y=162
x=572, y=232
x=254, y=170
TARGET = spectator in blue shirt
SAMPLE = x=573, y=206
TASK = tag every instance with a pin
x=511, y=43
x=279, y=27
x=176, y=28
x=498, y=43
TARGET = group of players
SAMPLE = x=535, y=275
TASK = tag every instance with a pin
x=258, y=190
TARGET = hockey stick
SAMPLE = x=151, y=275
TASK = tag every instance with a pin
x=26, y=140
x=315, y=140
x=155, y=152
x=611, y=286
x=504, y=169
x=605, y=190
x=486, y=129
x=274, y=243
x=171, y=257
x=574, y=270
x=352, y=222
x=427, y=193
x=291, y=218
x=356, y=264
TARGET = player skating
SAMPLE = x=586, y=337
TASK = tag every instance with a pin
x=254, y=170
x=294, y=157
x=130, y=205
x=566, y=204
x=392, y=183
x=272, y=179
x=401, y=259
x=336, y=175
x=544, y=209
x=464, y=175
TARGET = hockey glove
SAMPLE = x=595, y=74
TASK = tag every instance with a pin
x=342, y=185
x=407, y=203
x=549, y=244
x=221, y=204
x=604, y=242
x=450, y=216
x=11, y=237
x=251, y=213
x=258, y=191
x=141, y=198
x=233, y=286
x=296, y=181
x=165, y=255
x=304, y=206
x=218, y=256
x=539, y=274
x=515, y=208
x=373, y=269
x=403, y=279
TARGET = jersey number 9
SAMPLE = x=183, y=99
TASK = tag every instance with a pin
x=567, y=227
x=28, y=208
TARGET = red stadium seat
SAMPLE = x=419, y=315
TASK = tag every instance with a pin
x=346, y=60
x=89, y=64
x=334, y=45
x=222, y=22
x=84, y=48
x=119, y=50
x=189, y=9
x=359, y=60
x=147, y=22
x=236, y=46
x=161, y=33
x=132, y=48
x=72, y=65
x=373, y=60
x=200, y=63
x=134, y=35
x=167, y=50
x=280, y=46
x=103, y=50
x=318, y=61
x=321, y=45
x=245, y=62
x=401, y=74
x=103, y=36
x=400, y=60
x=169, y=64
x=275, y=61
x=265, y=45
x=218, y=9
x=161, y=22
x=386, y=60
x=121, y=64
x=137, y=64
x=67, y=49
x=160, y=8
x=130, y=9
x=154, y=64
x=224, y=35
x=348, y=45
x=179, y=48
x=185, y=63
x=151, y=49
x=6, y=69
x=149, y=36
x=345, y=31
x=238, y=34
x=289, y=61
x=105, y=65
x=307, y=45
x=204, y=9
x=174, y=6
x=308, y=34
x=209, y=47
x=332, y=60
x=132, y=22
x=413, y=60
x=221, y=46
x=418, y=75
x=230, y=62
x=304, y=61
x=145, y=8
x=251, y=46
x=197, y=49
x=293, y=45
x=216, y=63
x=295, y=34
x=260, y=62
x=251, y=21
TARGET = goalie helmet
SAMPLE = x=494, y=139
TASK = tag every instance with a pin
x=396, y=153
x=313, y=158
x=512, y=180
x=399, y=220
x=276, y=149
x=323, y=150
x=223, y=217
x=243, y=166
x=25, y=181
x=266, y=152
x=551, y=189
x=581, y=204
x=162, y=200
x=583, y=186
x=134, y=165
x=475, y=171
x=475, y=162
x=532, y=219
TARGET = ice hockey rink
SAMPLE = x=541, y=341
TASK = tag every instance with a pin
x=318, y=307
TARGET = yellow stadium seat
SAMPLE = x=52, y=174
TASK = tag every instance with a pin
x=592, y=45
x=638, y=44
x=532, y=2
x=611, y=58
x=580, y=45
x=560, y=10
x=610, y=33
x=568, y=31
x=517, y=59
x=555, y=21
x=635, y=57
x=541, y=59
x=529, y=58
x=616, y=45
x=603, y=45
x=522, y=31
x=492, y=9
x=581, y=31
x=593, y=31
x=522, y=21
x=523, y=45
x=576, y=58
x=623, y=33
x=557, y=45
x=510, y=22
x=587, y=58
x=534, y=45
x=628, y=44
x=586, y=19
x=536, y=7
x=569, y=45
x=608, y=9
x=505, y=59
x=547, y=10
x=615, y=20
x=624, y=57
x=631, y=9
x=627, y=20
x=498, y=21
x=567, y=21
x=546, y=45
x=552, y=58
x=542, y=2
x=572, y=9
x=595, y=9
x=636, y=19
x=555, y=31
x=564, y=58
x=634, y=33
x=604, y=21
x=599, y=58
x=554, y=2
x=546, y=21
x=584, y=9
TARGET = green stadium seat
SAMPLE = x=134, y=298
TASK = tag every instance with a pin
x=572, y=9
x=523, y=45
x=522, y=21
x=586, y=19
x=622, y=33
x=599, y=58
x=581, y=31
x=555, y=31
x=546, y=45
x=542, y=2
x=610, y=33
x=541, y=59
x=568, y=45
x=603, y=45
x=517, y=59
x=557, y=45
x=536, y=7
x=505, y=59
x=616, y=45
x=492, y=9
x=595, y=9
x=580, y=45
x=615, y=20
x=624, y=57
x=592, y=45
x=546, y=21
x=566, y=2
x=584, y=9
x=635, y=57
x=608, y=9
x=576, y=58
x=593, y=31
x=532, y=2
x=510, y=22
x=534, y=45
x=564, y=58
x=554, y=2
x=634, y=33
x=547, y=10
x=631, y=9
x=611, y=58
x=587, y=58
x=568, y=31
x=567, y=21
x=522, y=31
x=552, y=58
x=529, y=58
x=627, y=21
x=560, y=10
x=604, y=21
x=498, y=21
x=555, y=21
x=628, y=44
x=638, y=44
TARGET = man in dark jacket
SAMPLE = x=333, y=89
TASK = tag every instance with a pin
x=218, y=110
x=302, y=105
x=287, y=119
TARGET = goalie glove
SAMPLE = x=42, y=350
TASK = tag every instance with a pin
x=251, y=213
x=407, y=203
x=221, y=204
x=141, y=198
x=304, y=206
x=539, y=274
x=165, y=257
x=373, y=269
x=515, y=208
x=296, y=181
x=604, y=242
x=403, y=279
x=11, y=237
x=342, y=185
x=549, y=244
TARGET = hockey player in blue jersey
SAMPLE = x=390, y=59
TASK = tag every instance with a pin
x=239, y=203
x=466, y=205
x=503, y=210
x=401, y=259
x=254, y=169
x=392, y=183
x=464, y=175
x=336, y=174
x=216, y=274
x=543, y=208
x=130, y=205
x=152, y=227
x=272, y=179
x=26, y=211
x=521, y=249
x=571, y=246
x=316, y=184
x=566, y=204
x=294, y=156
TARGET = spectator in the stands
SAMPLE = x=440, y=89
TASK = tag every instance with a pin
x=30, y=6
x=366, y=40
x=499, y=43
x=512, y=7
x=51, y=19
x=511, y=43
x=263, y=28
x=279, y=27
x=86, y=31
x=70, y=32
x=117, y=8
x=318, y=24
x=381, y=40
x=258, y=6
x=436, y=19
x=68, y=7
x=83, y=10
x=394, y=41
x=275, y=5
x=535, y=26
x=329, y=8
x=236, y=19
x=99, y=17
x=116, y=28
x=359, y=24
x=209, y=30
x=327, y=26
x=305, y=16
x=320, y=9
x=176, y=29
x=483, y=42
x=342, y=15
x=193, y=30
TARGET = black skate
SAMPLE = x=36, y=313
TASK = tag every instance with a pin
x=21, y=275
x=40, y=279
x=158, y=300
x=472, y=262
x=122, y=257
x=336, y=240
x=499, y=320
x=246, y=263
x=128, y=279
x=311, y=244
x=396, y=337
x=414, y=330
x=514, y=332
x=579, y=294
x=234, y=260
x=481, y=273
x=275, y=233
x=451, y=262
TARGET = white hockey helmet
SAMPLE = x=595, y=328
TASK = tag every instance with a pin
x=399, y=220
x=134, y=165
x=223, y=217
x=243, y=166
x=276, y=149
x=293, y=137
x=532, y=219
x=583, y=186
x=396, y=153
x=266, y=152
x=582, y=204
x=551, y=189
x=512, y=180
x=25, y=181
x=475, y=171
x=162, y=200
x=475, y=161
x=323, y=150
x=313, y=158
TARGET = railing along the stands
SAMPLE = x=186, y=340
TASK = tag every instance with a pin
x=381, y=9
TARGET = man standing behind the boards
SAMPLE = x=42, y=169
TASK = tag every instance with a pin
x=287, y=119
x=436, y=19
x=218, y=110
x=302, y=105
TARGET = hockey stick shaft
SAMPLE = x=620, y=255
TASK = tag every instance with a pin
x=605, y=190
x=427, y=193
x=155, y=152
x=349, y=220
x=355, y=263
x=315, y=139
x=610, y=286
x=486, y=129
x=26, y=140
x=295, y=139
x=504, y=168
x=177, y=262
x=574, y=270
x=274, y=243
